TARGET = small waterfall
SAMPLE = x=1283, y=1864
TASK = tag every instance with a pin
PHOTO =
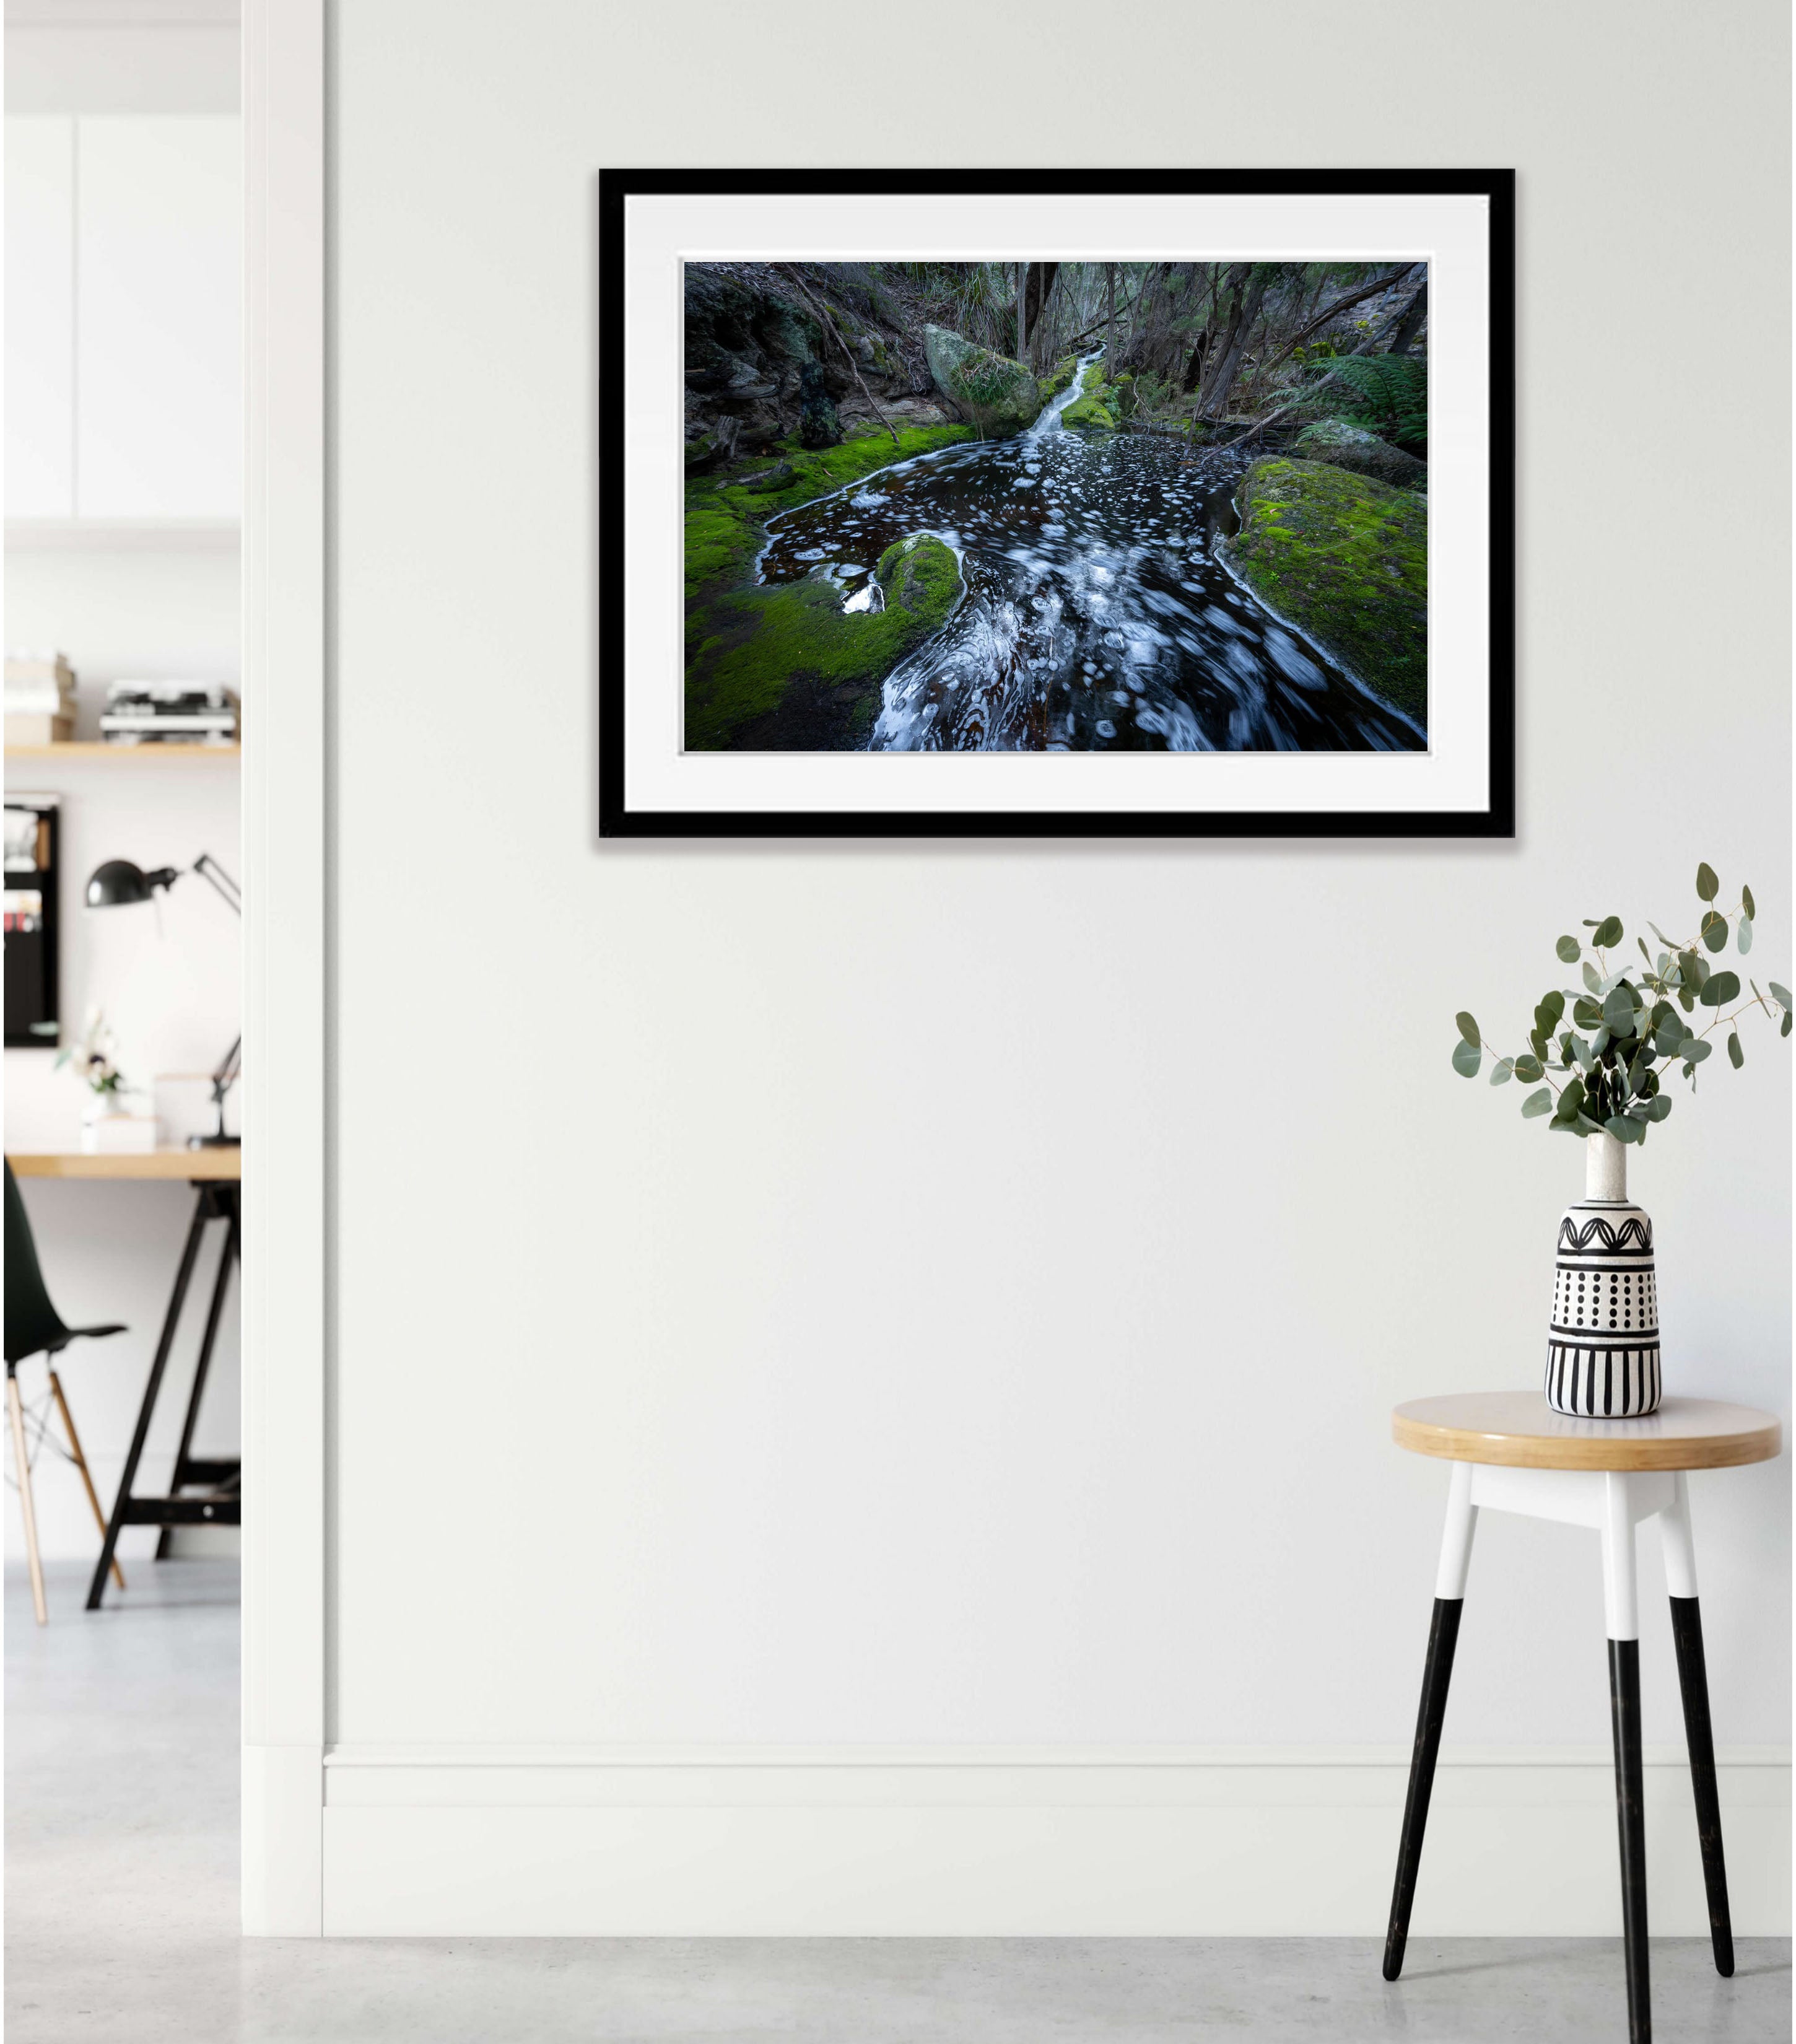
x=1049, y=421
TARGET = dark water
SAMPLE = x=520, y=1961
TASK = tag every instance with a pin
x=1097, y=615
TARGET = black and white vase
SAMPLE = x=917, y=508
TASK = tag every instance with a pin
x=1602, y=1347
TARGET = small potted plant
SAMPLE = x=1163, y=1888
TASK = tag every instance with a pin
x=1600, y=1062
x=110, y=1094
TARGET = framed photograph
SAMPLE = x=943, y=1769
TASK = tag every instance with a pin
x=1070, y=504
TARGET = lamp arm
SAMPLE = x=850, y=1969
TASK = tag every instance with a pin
x=222, y=883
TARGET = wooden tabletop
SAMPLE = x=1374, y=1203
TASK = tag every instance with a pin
x=1521, y=1431
x=188, y=1165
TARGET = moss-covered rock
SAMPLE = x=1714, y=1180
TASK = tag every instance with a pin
x=999, y=396
x=1354, y=448
x=787, y=669
x=1052, y=386
x=1345, y=558
x=1094, y=406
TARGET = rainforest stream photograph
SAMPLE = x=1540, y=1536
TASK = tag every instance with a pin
x=1056, y=506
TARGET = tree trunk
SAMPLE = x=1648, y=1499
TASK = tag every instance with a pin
x=1243, y=308
x=1022, y=308
x=1415, y=313
x=1111, y=361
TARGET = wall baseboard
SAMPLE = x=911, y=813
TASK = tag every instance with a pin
x=466, y=1842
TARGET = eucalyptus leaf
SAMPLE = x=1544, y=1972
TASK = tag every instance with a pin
x=1503, y=1071
x=1668, y=1035
x=1593, y=979
x=1736, y=1057
x=1537, y=1104
x=1715, y=931
x=1586, y=1127
x=1608, y=933
x=1625, y=1129
x=1743, y=933
x=1784, y=1031
x=1694, y=1049
x=1658, y=1106
x=1467, y=1059
x=1746, y=903
x=1618, y=1012
x=1585, y=1014
x=1707, y=885
x=1528, y=1069
x=1721, y=986
x=1569, y=950
x=1572, y=1098
x=1660, y=935
x=1468, y=1029
x=1780, y=995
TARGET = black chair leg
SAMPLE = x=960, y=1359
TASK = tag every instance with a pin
x=1624, y=1709
x=1437, y=1669
x=1693, y=1679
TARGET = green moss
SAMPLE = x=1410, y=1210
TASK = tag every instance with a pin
x=737, y=638
x=719, y=545
x=1052, y=386
x=1095, y=405
x=1088, y=412
x=1345, y=558
x=787, y=668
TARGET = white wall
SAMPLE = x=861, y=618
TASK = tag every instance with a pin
x=952, y=1296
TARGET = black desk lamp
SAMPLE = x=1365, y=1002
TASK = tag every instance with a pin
x=118, y=884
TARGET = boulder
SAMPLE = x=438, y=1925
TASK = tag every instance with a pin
x=998, y=395
x=1345, y=558
x=919, y=575
x=1352, y=447
x=817, y=425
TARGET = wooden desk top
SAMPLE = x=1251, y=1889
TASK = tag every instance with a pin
x=1519, y=1430
x=185, y=1165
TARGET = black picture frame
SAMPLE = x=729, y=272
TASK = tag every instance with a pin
x=617, y=820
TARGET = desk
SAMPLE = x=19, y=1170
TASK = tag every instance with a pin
x=214, y=1175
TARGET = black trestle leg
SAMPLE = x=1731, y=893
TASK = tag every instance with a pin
x=1693, y=1679
x=1443, y=1636
x=1624, y=1710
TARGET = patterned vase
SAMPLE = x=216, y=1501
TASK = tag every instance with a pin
x=1602, y=1347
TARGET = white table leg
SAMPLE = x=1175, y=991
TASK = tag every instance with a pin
x=1699, y=1736
x=1436, y=1673
x=1621, y=1599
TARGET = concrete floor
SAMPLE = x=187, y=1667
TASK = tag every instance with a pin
x=121, y=1902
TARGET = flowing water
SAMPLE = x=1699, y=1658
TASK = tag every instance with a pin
x=1097, y=611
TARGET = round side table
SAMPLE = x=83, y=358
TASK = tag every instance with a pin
x=1511, y=1452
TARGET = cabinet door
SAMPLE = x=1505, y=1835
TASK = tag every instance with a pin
x=159, y=234
x=40, y=317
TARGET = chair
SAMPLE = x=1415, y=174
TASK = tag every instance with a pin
x=35, y=1327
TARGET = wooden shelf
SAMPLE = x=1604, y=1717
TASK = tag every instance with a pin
x=90, y=748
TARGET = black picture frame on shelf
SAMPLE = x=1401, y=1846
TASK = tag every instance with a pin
x=34, y=973
x=650, y=222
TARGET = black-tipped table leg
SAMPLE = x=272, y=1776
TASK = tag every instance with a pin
x=1436, y=1673
x=1693, y=1678
x=1630, y=1819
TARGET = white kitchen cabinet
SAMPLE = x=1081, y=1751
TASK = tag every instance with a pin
x=157, y=319
x=40, y=317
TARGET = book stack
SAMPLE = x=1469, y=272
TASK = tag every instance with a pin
x=170, y=713
x=40, y=699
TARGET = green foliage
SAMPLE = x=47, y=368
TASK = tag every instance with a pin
x=1387, y=394
x=1614, y=1077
